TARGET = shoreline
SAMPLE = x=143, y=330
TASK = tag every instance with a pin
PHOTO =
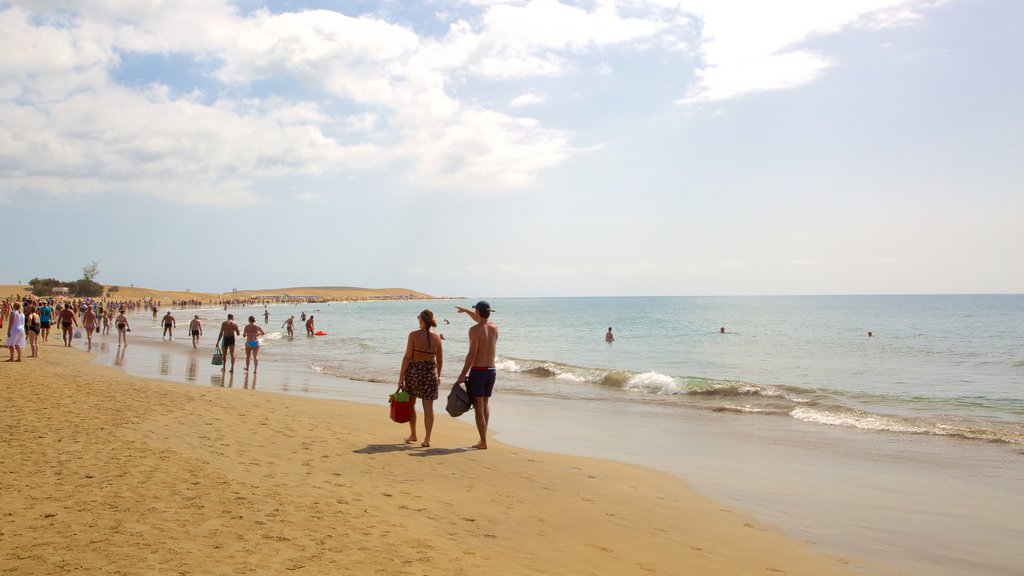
x=114, y=472
x=926, y=505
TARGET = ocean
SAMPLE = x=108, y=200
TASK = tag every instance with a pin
x=941, y=365
x=905, y=446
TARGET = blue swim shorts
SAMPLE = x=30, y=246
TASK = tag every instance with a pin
x=252, y=343
x=480, y=382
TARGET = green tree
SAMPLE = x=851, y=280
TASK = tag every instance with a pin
x=91, y=271
x=85, y=288
x=44, y=286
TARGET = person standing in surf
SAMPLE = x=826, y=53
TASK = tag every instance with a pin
x=195, y=329
x=228, y=331
x=479, y=372
x=252, y=333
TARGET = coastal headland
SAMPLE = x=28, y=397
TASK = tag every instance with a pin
x=319, y=292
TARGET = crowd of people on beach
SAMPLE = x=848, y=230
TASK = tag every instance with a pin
x=27, y=319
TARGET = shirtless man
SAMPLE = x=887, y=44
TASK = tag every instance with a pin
x=195, y=328
x=266, y=315
x=478, y=372
x=608, y=337
x=67, y=318
x=228, y=331
x=309, y=326
x=252, y=334
x=290, y=325
x=169, y=324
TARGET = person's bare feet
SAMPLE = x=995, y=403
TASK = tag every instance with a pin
x=425, y=444
x=480, y=446
x=410, y=440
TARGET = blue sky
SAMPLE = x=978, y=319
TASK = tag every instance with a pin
x=519, y=148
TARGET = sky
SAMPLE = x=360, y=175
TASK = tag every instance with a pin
x=516, y=148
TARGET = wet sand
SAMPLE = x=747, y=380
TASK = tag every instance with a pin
x=109, y=473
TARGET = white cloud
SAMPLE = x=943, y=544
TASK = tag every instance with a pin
x=319, y=92
x=528, y=99
x=750, y=46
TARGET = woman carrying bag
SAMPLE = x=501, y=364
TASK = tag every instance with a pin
x=421, y=373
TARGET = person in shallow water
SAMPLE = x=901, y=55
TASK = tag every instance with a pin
x=252, y=333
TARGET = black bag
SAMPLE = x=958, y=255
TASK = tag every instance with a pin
x=458, y=401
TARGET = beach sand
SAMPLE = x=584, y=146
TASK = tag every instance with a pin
x=105, y=473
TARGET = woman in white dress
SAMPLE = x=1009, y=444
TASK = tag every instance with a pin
x=15, y=332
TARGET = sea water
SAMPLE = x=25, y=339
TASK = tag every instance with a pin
x=941, y=365
x=904, y=446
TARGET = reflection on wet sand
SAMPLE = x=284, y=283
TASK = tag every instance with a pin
x=245, y=384
x=165, y=364
x=119, y=356
x=191, y=369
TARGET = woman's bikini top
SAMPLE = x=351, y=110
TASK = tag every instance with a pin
x=431, y=352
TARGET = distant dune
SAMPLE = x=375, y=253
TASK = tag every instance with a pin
x=329, y=292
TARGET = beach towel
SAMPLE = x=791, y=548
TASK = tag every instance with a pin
x=458, y=401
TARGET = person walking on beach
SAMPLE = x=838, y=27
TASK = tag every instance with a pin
x=45, y=317
x=121, y=322
x=252, y=333
x=608, y=337
x=195, y=329
x=228, y=331
x=15, y=332
x=67, y=318
x=290, y=325
x=421, y=373
x=479, y=372
x=32, y=330
x=309, y=326
x=266, y=315
x=89, y=322
x=169, y=324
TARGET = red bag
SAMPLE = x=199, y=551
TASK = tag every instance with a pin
x=401, y=408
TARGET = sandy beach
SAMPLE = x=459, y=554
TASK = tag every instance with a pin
x=106, y=473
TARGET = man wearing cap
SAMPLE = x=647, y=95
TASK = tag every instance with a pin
x=478, y=371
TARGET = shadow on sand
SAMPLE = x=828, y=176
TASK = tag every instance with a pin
x=412, y=449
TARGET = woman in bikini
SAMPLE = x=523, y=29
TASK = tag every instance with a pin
x=421, y=373
x=122, y=328
x=252, y=333
x=32, y=328
x=90, y=322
